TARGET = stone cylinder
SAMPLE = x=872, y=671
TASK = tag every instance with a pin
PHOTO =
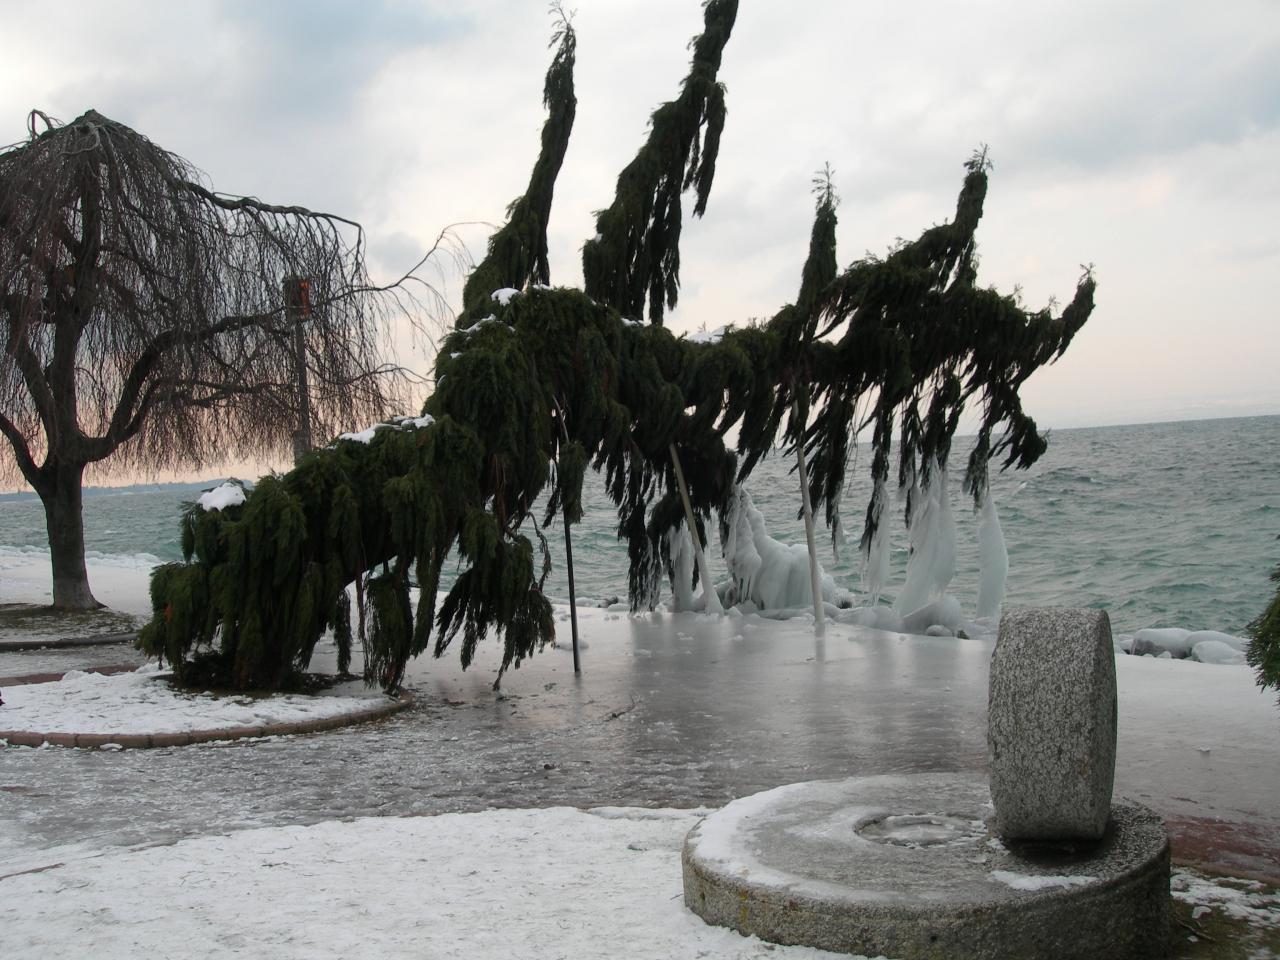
x=1051, y=726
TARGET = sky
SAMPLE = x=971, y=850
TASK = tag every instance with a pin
x=1140, y=137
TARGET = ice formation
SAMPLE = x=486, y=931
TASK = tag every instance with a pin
x=993, y=560
x=1207, y=646
x=932, y=533
x=767, y=573
x=680, y=547
x=875, y=558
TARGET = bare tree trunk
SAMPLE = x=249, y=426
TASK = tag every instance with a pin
x=64, y=519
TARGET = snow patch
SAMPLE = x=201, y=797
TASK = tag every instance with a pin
x=221, y=497
x=504, y=295
x=142, y=702
x=398, y=423
x=1026, y=881
x=505, y=884
x=704, y=336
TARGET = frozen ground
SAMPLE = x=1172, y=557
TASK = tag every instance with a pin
x=681, y=710
x=507, y=884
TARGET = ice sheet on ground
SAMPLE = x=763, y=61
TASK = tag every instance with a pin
x=142, y=702
x=557, y=882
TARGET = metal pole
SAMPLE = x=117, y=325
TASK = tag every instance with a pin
x=819, y=614
x=711, y=599
x=297, y=305
x=573, y=597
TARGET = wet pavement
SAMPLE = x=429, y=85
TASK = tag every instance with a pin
x=671, y=710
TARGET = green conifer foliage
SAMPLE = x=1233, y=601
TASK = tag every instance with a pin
x=913, y=338
x=517, y=253
x=1264, y=651
x=635, y=254
x=552, y=376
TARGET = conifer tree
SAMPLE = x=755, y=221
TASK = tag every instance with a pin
x=635, y=254
x=1264, y=651
x=538, y=375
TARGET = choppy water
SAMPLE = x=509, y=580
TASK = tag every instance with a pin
x=1171, y=524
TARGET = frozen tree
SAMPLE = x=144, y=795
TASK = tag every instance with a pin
x=150, y=320
x=533, y=377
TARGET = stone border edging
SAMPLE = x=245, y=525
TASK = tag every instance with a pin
x=26, y=678
x=139, y=741
x=64, y=643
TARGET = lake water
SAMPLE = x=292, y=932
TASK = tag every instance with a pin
x=1171, y=524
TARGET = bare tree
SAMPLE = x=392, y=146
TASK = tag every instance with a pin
x=149, y=319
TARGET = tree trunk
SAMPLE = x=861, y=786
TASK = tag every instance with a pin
x=64, y=519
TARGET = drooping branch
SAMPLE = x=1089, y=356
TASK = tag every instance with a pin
x=517, y=253
x=635, y=254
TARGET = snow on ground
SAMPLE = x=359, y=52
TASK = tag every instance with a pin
x=504, y=884
x=1245, y=900
x=142, y=702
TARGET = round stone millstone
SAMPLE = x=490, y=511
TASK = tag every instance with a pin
x=906, y=866
x=1051, y=723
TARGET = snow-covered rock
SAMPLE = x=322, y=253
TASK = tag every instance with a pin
x=1158, y=640
x=944, y=612
x=1216, y=651
x=1200, y=636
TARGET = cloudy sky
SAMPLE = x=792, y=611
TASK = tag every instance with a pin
x=1142, y=137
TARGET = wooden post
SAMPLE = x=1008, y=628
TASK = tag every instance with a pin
x=819, y=614
x=573, y=597
x=297, y=298
x=711, y=599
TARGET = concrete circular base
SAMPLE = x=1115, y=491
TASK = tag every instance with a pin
x=905, y=866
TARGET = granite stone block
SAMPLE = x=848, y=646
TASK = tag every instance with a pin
x=1051, y=725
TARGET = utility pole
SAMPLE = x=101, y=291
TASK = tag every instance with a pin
x=297, y=299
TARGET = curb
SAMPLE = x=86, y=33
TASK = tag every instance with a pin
x=142, y=741
x=102, y=640
x=54, y=677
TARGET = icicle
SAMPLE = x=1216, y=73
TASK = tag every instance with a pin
x=944, y=555
x=993, y=560
x=710, y=600
x=740, y=553
x=875, y=559
x=681, y=551
x=922, y=536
